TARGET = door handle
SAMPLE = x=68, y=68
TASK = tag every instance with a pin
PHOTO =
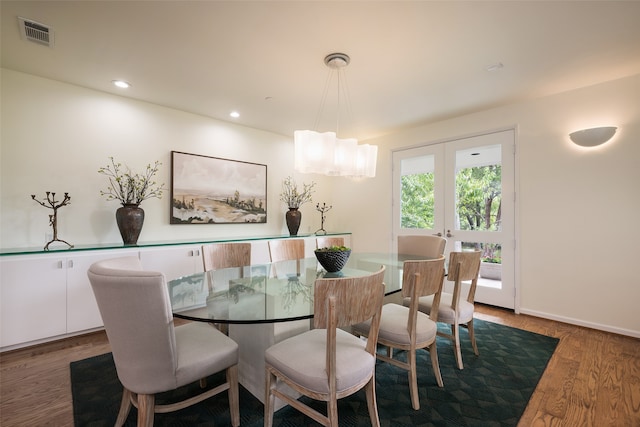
x=449, y=233
x=437, y=234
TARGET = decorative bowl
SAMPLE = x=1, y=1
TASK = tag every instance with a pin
x=332, y=261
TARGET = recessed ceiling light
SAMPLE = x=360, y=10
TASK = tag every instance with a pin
x=121, y=84
x=234, y=114
x=495, y=67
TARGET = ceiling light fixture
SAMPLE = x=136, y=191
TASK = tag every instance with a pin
x=121, y=84
x=593, y=137
x=325, y=153
x=234, y=114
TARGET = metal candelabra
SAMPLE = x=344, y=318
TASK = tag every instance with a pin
x=53, y=219
x=322, y=209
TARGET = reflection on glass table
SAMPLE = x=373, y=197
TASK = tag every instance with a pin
x=267, y=293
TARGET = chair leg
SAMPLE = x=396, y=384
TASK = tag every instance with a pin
x=456, y=342
x=332, y=412
x=269, y=398
x=370, y=390
x=472, y=336
x=234, y=396
x=413, y=379
x=146, y=404
x=433, y=351
x=125, y=407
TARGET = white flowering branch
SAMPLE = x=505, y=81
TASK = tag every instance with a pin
x=294, y=198
x=131, y=188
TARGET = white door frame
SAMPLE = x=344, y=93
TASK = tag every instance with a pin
x=437, y=148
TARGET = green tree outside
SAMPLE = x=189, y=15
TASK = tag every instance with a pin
x=478, y=204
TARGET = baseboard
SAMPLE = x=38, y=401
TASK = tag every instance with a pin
x=579, y=322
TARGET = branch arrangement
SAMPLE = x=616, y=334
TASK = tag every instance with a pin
x=130, y=188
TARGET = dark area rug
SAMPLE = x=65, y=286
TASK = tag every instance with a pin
x=493, y=389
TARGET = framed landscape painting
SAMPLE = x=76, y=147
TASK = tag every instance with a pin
x=210, y=190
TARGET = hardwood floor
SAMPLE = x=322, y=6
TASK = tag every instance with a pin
x=593, y=378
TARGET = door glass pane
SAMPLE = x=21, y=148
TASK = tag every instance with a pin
x=490, y=262
x=479, y=188
x=417, y=196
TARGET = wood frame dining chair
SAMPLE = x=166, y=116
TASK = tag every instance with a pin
x=453, y=308
x=406, y=328
x=425, y=245
x=286, y=250
x=327, y=242
x=216, y=256
x=152, y=355
x=328, y=363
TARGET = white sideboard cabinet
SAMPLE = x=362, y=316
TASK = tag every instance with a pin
x=46, y=295
x=173, y=261
x=33, y=299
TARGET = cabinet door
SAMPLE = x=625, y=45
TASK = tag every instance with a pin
x=82, y=309
x=33, y=302
x=174, y=262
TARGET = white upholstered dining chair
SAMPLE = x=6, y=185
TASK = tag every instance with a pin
x=406, y=328
x=286, y=249
x=327, y=242
x=455, y=309
x=151, y=355
x=226, y=255
x=328, y=363
x=427, y=246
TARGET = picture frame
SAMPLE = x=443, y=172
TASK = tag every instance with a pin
x=212, y=190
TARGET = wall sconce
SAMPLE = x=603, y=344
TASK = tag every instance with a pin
x=593, y=137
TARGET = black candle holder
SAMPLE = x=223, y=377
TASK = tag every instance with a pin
x=322, y=209
x=53, y=219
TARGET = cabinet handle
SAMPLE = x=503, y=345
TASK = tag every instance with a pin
x=60, y=265
x=70, y=263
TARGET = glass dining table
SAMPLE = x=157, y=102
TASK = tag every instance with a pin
x=270, y=293
x=266, y=303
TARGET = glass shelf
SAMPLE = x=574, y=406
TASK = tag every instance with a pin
x=102, y=246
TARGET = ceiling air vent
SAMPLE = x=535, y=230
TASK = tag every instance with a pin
x=35, y=32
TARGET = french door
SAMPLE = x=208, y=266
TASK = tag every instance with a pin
x=464, y=191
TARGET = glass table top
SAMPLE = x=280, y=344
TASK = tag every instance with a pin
x=266, y=293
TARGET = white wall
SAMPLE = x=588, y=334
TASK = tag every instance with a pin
x=55, y=136
x=578, y=232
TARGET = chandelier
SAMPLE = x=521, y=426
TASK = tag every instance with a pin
x=325, y=153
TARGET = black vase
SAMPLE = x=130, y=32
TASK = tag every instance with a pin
x=293, y=217
x=130, y=218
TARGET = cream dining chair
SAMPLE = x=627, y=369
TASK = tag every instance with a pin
x=326, y=242
x=216, y=256
x=328, y=363
x=151, y=355
x=406, y=328
x=286, y=250
x=455, y=309
x=427, y=246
